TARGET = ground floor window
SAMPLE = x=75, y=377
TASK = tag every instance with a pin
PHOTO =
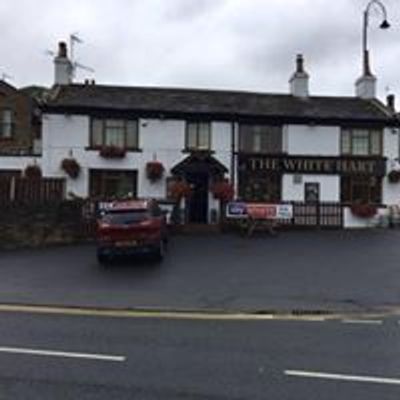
x=110, y=183
x=361, y=189
x=260, y=188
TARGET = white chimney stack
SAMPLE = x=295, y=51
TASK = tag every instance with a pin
x=366, y=84
x=299, y=81
x=63, y=68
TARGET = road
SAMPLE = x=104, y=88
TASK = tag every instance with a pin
x=200, y=357
x=338, y=270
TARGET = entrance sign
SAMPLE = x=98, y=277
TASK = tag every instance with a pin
x=259, y=210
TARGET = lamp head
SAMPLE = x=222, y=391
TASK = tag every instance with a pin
x=385, y=24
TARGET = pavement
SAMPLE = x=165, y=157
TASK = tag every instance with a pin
x=311, y=271
x=61, y=357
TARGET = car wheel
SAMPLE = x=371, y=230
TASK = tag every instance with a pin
x=161, y=249
x=103, y=259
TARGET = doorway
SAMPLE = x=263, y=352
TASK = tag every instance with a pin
x=198, y=201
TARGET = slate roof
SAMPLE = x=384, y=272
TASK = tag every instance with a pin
x=214, y=102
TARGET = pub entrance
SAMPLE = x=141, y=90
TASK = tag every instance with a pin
x=200, y=169
x=197, y=204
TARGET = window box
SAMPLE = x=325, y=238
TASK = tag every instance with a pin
x=364, y=210
x=394, y=176
x=112, y=152
x=154, y=171
x=71, y=167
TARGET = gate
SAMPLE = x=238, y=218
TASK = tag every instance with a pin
x=319, y=215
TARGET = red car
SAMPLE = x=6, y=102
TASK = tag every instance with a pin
x=129, y=228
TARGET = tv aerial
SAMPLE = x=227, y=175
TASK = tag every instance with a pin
x=5, y=77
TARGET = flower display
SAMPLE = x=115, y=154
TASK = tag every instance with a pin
x=71, y=167
x=112, y=152
x=33, y=171
x=364, y=210
x=223, y=191
x=154, y=170
x=394, y=176
x=179, y=190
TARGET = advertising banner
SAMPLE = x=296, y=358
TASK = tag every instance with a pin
x=259, y=210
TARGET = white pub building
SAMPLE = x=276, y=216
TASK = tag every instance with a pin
x=336, y=152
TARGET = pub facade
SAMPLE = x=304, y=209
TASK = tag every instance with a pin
x=334, y=158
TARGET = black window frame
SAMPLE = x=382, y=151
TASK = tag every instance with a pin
x=278, y=145
x=197, y=147
x=352, y=132
x=104, y=129
x=348, y=184
x=10, y=124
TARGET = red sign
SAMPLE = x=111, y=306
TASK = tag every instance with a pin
x=261, y=211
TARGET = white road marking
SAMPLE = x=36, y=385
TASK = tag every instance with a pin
x=50, y=353
x=362, y=321
x=342, y=377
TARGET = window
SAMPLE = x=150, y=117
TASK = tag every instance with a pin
x=361, y=142
x=260, y=139
x=198, y=136
x=110, y=184
x=260, y=188
x=6, y=124
x=311, y=192
x=115, y=132
x=361, y=189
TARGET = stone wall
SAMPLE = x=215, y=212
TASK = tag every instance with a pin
x=41, y=225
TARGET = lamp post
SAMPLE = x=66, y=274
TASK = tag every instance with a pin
x=384, y=25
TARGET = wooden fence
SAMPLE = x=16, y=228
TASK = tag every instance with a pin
x=32, y=191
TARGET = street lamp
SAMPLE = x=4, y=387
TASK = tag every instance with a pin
x=384, y=25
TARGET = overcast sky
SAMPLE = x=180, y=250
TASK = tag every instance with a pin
x=227, y=44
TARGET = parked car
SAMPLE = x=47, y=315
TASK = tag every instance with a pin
x=130, y=228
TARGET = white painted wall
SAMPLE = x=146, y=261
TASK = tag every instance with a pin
x=313, y=140
x=162, y=140
x=329, y=187
x=391, y=191
x=18, y=162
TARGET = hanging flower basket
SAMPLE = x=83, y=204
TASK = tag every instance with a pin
x=223, y=191
x=112, y=152
x=179, y=190
x=71, y=167
x=154, y=170
x=364, y=210
x=394, y=176
x=33, y=171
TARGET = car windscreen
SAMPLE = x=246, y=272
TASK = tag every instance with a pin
x=125, y=217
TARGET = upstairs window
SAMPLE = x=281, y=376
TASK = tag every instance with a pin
x=198, y=136
x=260, y=139
x=6, y=124
x=361, y=142
x=115, y=132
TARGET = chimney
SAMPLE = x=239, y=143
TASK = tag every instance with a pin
x=366, y=84
x=391, y=102
x=299, y=80
x=62, y=66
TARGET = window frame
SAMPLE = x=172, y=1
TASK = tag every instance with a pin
x=197, y=124
x=264, y=137
x=348, y=182
x=352, y=133
x=10, y=124
x=103, y=122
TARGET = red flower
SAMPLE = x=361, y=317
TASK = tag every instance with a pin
x=154, y=170
x=112, y=152
x=223, y=191
x=179, y=190
x=71, y=167
x=364, y=210
x=33, y=172
x=394, y=176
